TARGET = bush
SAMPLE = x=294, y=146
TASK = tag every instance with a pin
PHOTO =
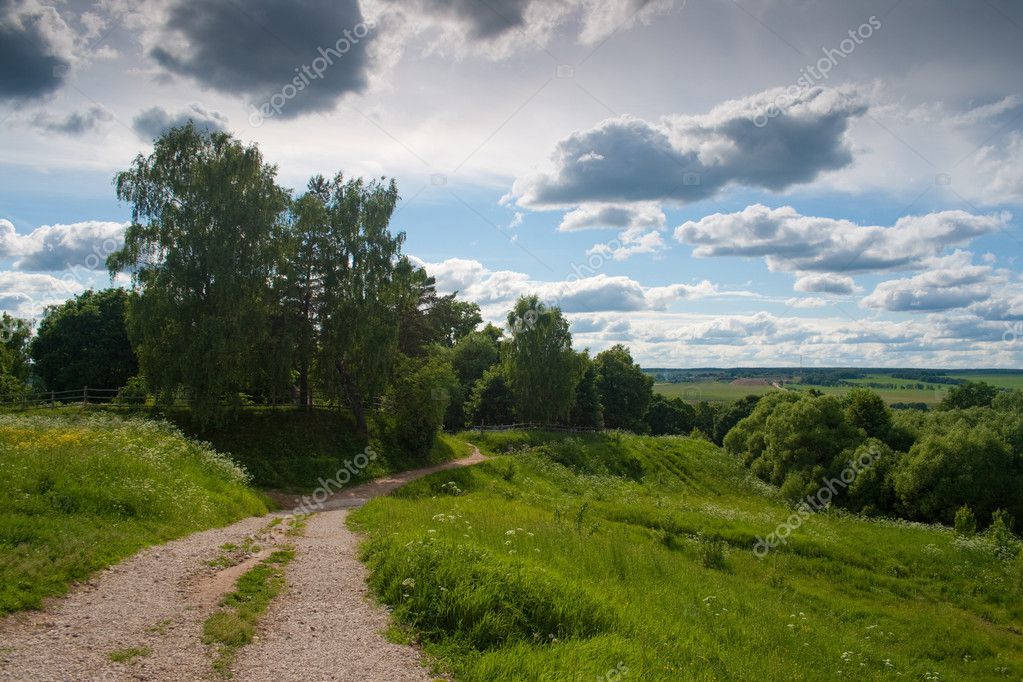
x=416, y=402
x=712, y=553
x=1000, y=534
x=135, y=392
x=965, y=522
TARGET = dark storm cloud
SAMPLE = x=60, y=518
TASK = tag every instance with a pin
x=485, y=18
x=153, y=122
x=755, y=142
x=76, y=123
x=30, y=65
x=310, y=52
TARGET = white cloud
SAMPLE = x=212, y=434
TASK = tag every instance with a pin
x=602, y=216
x=826, y=283
x=796, y=243
x=59, y=247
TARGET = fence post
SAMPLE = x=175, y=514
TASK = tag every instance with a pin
x=85, y=397
x=53, y=399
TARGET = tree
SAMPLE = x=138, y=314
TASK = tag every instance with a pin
x=14, y=347
x=540, y=364
x=706, y=415
x=970, y=394
x=866, y=410
x=967, y=465
x=491, y=400
x=84, y=342
x=202, y=249
x=587, y=410
x=302, y=274
x=726, y=418
x=625, y=390
x=415, y=402
x=670, y=416
x=360, y=305
x=428, y=318
x=471, y=356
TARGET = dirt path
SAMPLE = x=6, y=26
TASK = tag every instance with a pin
x=322, y=627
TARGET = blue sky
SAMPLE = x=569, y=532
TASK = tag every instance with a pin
x=712, y=182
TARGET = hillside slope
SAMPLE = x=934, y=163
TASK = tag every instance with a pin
x=83, y=491
x=611, y=557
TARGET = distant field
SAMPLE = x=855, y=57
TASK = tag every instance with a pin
x=711, y=391
x=719, y=392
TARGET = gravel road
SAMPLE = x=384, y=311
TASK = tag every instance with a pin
x=322, y=627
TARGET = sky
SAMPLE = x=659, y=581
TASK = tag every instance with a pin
x=711, y=182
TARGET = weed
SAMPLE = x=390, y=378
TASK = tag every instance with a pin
x=234, y=625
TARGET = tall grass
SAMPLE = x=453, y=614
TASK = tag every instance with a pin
x=559, y=560
x=81, y=492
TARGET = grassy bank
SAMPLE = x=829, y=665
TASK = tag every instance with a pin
x=291, y=450
x=82, y=492
x=610, y=556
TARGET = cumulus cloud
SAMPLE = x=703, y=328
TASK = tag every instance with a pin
x=52, y=248
x=75, y=123
x=310, y=52
x=155, y=121
x=796, y=243
x=602, y=216
x=826, y=283
x=35, y=49
x=597, y=293
x=27, y=294
x=682, y=159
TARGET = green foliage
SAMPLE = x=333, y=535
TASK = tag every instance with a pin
x=416, y=400
x=135, y=391
x=970, y=394
x=540, y=365
x=587, y=410
x=625, y=390
x=865, y=410
x=669, y=416
x=727, y=417
x=201, y=248
x=491, y=400
x=84, y=342
x=965, y=522
x=83, y=492
x=471, y=356
x=1000, y=534
x=712, y=553
x=966, y=465
x=362, y=275
x=14, y=346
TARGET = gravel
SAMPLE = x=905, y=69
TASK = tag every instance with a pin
x=322, y=627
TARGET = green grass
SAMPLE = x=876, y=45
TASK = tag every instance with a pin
x=581, y=558
x=233, y=626
x=711, y=391
x=83, y=492
x=291, y=451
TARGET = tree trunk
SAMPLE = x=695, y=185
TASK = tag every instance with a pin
x=303, y=387
x=354, y=399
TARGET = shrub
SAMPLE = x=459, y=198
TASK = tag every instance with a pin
x=712, y=553
x=1000, y=535
x=965, y=522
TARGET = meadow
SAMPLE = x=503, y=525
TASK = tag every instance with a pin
x=83, y=491
x=902, y=390
x=625, y=557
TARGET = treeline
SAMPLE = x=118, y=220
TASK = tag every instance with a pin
x=964, y=459
x=242, y=292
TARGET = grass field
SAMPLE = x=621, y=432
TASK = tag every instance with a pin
x=906, y=390
x=620, y=557
x=711, y=391
x=81, y=492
